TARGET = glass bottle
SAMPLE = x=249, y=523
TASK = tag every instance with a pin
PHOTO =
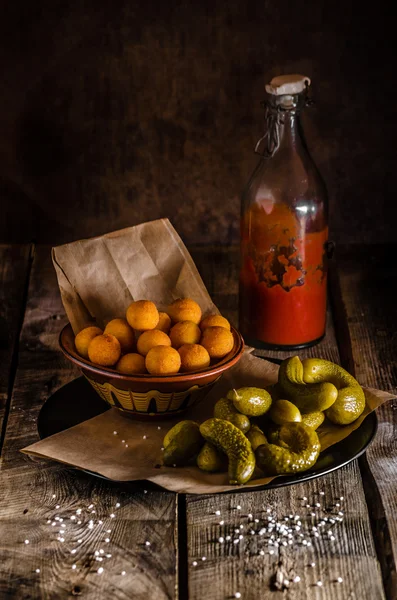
x=284, y=231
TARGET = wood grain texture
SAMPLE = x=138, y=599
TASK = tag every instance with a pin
x=367, y=279
x=240, y=568
x=33, y=492
x=229, y=568
x=14, y=270
x=114, y=114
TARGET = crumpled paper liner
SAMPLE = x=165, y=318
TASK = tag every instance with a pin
x=99, y=277
x=93, y=446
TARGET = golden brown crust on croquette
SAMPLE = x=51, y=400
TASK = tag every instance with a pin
x=184, y=309
x=104, y=350
x=142, y=315
x=193, y=357
x=163, y=360
x=185, y=332
x=149, y=339
x=218, y=341
x=84, y=338
x=123, y=332
x=164, y=323
x=214, y=321
x=131, y=364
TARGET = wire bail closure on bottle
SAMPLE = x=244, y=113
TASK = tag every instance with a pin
x=274, y=120
x=272, y=134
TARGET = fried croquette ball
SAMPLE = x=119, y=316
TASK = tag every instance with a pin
x=184, y=332
x=142, y=315
x=214, y=321
x=163, y=360
x=150, y=339
x=217, y=340
x=164, y=323
x=184, y=309
x=131, y=364
x=193, y=357
x=84, y=338
x=123, y=332
x=104, y=350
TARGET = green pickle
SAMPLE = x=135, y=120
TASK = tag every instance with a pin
x=295, y=448
x=313, y=419
x=211, y=459
x=225, y=409
x=350, y=401
x=283, y=411
x=256, y=437
x=231, y=440
x=308, y=397
x=250, y=401
x=182, y=443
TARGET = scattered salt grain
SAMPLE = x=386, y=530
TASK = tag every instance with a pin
x=26, y=541
x=123, y=572
x=147, y=543
x=319, y=583
x=73, y=567
x=144, y=437
x=221, y=540
x=57, y=506
x=194, y=563
x=339, y=580
x=203, y=558
x=37, y=570
x=114, y=432
x=107, y=540
x=112, y=515
x=237, y=595
x=218, y=512
x=238, y=507
x=100, y=571
x=296, y=579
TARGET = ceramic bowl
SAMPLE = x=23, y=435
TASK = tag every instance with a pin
x=147, y=396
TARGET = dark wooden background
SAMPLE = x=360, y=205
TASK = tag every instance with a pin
x=113, y=113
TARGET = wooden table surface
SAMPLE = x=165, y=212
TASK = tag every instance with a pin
x=185, y=559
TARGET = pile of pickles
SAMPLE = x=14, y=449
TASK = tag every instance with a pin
x=256, y=433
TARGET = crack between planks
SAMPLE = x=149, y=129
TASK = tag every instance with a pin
x=15, y=351
x=181, y=586
x=377, y=516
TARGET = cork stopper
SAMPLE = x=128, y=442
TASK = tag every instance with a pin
x=287, y=84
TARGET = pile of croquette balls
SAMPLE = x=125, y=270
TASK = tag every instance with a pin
x=159, y=343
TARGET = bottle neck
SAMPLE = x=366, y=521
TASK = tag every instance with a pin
x=283, y=125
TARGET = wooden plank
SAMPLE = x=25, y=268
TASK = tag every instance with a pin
x=34, y=494
x=240, y=568
x=367, y=277
x=14, y=272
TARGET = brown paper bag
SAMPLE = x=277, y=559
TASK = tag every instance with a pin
x=99, y=277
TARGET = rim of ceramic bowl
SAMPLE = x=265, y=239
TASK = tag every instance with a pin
x=225, y=363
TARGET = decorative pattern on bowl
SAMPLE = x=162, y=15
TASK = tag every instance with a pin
x=151, y=402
